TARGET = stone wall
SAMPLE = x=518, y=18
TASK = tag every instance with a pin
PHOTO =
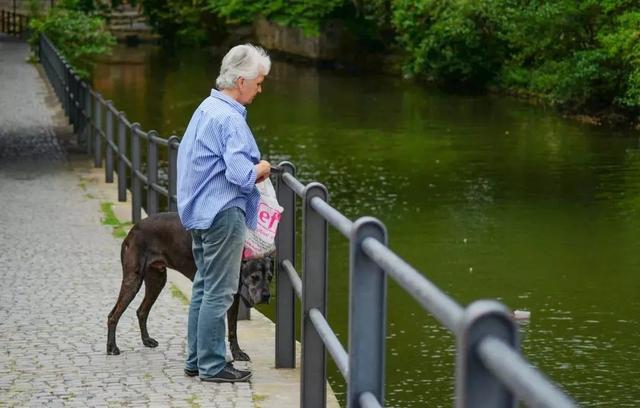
x=333, y=42
x=22, y=6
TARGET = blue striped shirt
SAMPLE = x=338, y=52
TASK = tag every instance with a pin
x=216, y=161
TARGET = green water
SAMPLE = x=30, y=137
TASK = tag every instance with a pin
x=489, y=197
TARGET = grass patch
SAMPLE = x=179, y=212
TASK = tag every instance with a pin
x=176, y=293
x=192, y=401
x=119, y=228
x=69, y=397
x=257, y=399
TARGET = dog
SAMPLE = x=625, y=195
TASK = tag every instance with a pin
x=159, y=242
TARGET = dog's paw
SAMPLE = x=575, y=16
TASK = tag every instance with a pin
x=239, y=355
x=149, y=342
x=113, y=350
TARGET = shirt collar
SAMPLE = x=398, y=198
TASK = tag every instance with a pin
x=234, y=104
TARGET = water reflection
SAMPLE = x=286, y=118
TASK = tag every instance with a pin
x=487, y=196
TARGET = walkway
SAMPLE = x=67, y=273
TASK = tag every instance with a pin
x=60, y=275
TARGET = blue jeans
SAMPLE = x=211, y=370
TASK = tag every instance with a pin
x=217, y=252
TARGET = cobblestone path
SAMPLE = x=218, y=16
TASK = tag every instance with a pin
x=60, y=275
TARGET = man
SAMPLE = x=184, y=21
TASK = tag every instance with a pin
x=218, y=167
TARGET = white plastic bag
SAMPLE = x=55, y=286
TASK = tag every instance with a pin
x=261, y=242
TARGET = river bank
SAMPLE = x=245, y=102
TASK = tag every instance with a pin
x=336, y=48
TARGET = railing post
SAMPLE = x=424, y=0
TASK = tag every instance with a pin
x=72, y=101
x=90, y=121
x=136, y=188
x=97, y=141
x=173, y=171
x=476, y=386
x=122, y=153
x=81, y=117
x=76, y=104
x=367, y=314
x=313, y=391
x=152, y=173
x=108, y=167
x=285, y=300
x=65, y=95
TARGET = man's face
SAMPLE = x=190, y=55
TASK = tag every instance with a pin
x=249, y=88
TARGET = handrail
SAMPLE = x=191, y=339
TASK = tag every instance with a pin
x=293, y=277
x=333, y=216
x=430, y=297
x=330, y=340
x=512, y=369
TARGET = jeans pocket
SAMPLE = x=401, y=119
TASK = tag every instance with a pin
x=228, y=224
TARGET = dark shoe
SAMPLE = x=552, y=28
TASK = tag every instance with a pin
x=229, y=374
x=190, y=373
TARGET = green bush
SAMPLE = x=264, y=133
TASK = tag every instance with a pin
x=452, y=42
x=579, y=55
x=623, y=48
x=78, y=36
x=182, y=22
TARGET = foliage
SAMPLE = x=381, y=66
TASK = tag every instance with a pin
x=307, y=15
x=580, y=55
x=85, y=6
x=453, y=42
x=77, y=35
x=183, y=22
x=35, y=8
x=585, y=53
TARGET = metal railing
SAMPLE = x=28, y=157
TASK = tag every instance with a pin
x=110, y=137
x=490, y=370
x=13, y=23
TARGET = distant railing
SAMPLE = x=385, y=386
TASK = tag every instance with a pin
x=490, y=370
x=13, y=23
x=109, y=136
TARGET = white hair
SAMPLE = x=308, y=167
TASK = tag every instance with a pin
x=247, y=61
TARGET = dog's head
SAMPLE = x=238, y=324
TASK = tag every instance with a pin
x=255, y=277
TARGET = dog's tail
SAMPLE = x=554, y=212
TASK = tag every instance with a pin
x=124, y=248
x=130, y=252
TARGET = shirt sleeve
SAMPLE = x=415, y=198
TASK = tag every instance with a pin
x=240, y=169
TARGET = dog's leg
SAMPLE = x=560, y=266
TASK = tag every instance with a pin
x=131, y=283
x=154, y=281
x=232, y=324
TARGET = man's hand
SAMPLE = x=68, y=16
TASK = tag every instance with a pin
x=263, y=169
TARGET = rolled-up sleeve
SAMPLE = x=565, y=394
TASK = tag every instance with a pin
x=240, y=168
